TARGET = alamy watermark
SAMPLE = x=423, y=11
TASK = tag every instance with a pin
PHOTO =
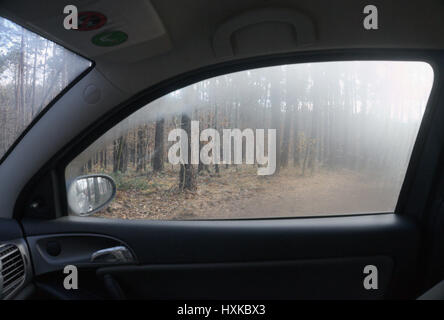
x=232, y=142
x=71, y=281
x=71, y=19
x=371, y=279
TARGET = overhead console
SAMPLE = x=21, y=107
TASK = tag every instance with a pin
x=107, y=30
x=270, y=29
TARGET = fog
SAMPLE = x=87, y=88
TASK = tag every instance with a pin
x=344, y=136
x=359, y=114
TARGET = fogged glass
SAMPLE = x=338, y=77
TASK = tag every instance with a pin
x=306, y=139
x=87, y=194
x=33, y=70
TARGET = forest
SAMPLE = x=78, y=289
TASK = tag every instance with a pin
x=344, y=135
x=33, y=70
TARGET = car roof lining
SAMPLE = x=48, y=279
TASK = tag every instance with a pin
x=190, y=28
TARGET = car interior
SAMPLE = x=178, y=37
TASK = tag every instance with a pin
x=308, y=235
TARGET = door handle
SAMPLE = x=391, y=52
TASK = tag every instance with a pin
x=119, y=254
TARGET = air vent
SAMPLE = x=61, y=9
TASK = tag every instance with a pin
x=12, y=269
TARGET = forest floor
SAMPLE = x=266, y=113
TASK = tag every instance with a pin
x=243, y=194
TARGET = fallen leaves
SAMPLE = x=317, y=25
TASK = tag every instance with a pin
x=240, y=193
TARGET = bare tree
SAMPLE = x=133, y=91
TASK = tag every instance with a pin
x=159, y=145
x=187, y=174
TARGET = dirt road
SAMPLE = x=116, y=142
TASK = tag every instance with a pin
x=235, y=195
x=325, y=194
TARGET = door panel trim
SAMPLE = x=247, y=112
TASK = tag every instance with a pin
x=336, y=278
x=222, y=241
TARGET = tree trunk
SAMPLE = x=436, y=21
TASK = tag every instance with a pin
x=286, y=139
x=120, y=155
x=296, y=139
x=187, y=175
x=275, y=97
x=158, y=146
x=141, y=149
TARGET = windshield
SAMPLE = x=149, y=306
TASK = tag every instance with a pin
x=33, y=70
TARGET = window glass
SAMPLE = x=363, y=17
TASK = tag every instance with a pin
x=293, y=140
x=33, y=70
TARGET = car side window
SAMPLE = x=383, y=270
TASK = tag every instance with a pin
x=293, y=140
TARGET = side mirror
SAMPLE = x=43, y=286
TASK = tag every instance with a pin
x=90, y=193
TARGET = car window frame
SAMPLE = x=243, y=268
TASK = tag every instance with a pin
x=60, y=161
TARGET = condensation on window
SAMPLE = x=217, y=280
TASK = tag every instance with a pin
x=343, y=137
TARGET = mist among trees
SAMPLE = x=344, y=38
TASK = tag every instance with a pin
x=352, y=122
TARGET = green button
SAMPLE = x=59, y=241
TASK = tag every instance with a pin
x=109, y=38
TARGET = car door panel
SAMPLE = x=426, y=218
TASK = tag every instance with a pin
x=301, y=279
x=268, y=259
x=54, y=252
x=10, y=229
